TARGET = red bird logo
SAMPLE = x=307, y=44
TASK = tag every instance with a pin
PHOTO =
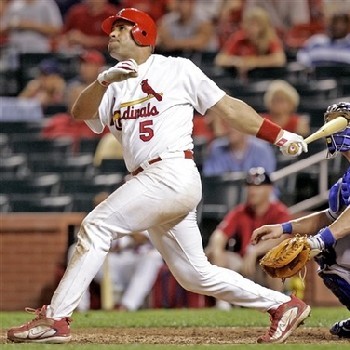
x=149, y=91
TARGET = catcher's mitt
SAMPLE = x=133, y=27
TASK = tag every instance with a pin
x=288, y=258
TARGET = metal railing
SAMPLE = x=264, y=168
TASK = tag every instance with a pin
x=288, y=175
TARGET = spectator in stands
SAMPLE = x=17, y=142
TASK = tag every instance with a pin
x=208, y=9
x=63, y=125
x=330, y=48
x=48, y=87
x=331, y=7
x=256, y=45
x=3, y=35
x=82, y=26
x=133, y=265
x=91, y=64
x=229, y=245
x=284, y=15
x=281, y=100
x=155, y=8
x=31, y=25
x=183, y=32
x=65, y=5
x=237, y=152
x=107, y=148
x=229, y=19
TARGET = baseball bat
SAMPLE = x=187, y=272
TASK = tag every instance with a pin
x=327, y=129
x=107, y=299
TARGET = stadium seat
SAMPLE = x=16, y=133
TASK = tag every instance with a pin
x=99, y=183
x=327, y=88
x=88, y=145
x=14, y=164
x=12, y=128
x=83, y=202
x=9, y=83
x=332, y=71
x=36, y=144
x=4, y=204
x=271, y=73
x=30, y=203
x=220, y=194
x=5, y=148
x=112, y=166
x=29, y=62
x=47, y=184
x=81, y=164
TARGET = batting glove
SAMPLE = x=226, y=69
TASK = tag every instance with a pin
x=121, y=71
x=291, y=144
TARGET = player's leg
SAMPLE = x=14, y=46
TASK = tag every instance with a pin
x=181, y=248
x=140, y=203
x=232, y=261
x=334, y=271
x=164, y=192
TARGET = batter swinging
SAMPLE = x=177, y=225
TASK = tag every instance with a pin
x=147, y=101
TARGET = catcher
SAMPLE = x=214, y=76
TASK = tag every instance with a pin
x=330, y=229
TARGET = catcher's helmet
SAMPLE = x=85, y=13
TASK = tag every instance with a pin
x=144, y=31
x=340, y=141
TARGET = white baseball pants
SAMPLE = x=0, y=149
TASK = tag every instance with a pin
x=161, y=199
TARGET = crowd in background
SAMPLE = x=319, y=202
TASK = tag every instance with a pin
x=236, y=36
x=235, y=28
x=228, y=39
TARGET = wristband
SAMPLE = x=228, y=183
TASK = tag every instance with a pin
x=287, y=227
x=327, y=237
x=268, y=131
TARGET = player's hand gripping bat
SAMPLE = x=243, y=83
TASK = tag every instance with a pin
x=331, y=127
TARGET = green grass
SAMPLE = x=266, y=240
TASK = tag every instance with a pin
x=237, y=317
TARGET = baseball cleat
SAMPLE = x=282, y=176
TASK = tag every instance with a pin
x=284, y=320
x=41, y=329
x=341, y=329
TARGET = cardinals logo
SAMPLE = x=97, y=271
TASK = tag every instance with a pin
x=147, y=89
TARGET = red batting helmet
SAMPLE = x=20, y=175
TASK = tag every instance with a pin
x=144, y=31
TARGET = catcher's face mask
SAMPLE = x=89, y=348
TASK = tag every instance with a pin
x=340, y=141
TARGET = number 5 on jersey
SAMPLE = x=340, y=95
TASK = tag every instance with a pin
x=145, y=130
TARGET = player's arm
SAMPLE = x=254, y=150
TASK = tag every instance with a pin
x=305, y=225
x=216, y=247
x=313, y=223
x=244, y=118
x=341, y=227
x=87, y=103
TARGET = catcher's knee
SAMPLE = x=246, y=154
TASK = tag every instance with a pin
x=339, y=286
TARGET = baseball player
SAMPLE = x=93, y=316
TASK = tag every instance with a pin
x=147, y=101
x=331, y=227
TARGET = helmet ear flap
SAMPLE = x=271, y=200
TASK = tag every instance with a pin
x=140, y=35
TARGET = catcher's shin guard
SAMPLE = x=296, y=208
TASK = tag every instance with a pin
x=339, y=286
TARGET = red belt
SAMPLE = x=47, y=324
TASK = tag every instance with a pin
x=188, y=154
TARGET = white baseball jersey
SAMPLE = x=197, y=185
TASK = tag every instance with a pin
x=162, y=97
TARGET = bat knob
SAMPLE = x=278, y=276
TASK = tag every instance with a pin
x=293, y=149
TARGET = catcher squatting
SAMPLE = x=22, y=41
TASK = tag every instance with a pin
x=165, y=189
x=331, y=243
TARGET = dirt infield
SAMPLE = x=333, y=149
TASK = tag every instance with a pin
x=191, y=335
